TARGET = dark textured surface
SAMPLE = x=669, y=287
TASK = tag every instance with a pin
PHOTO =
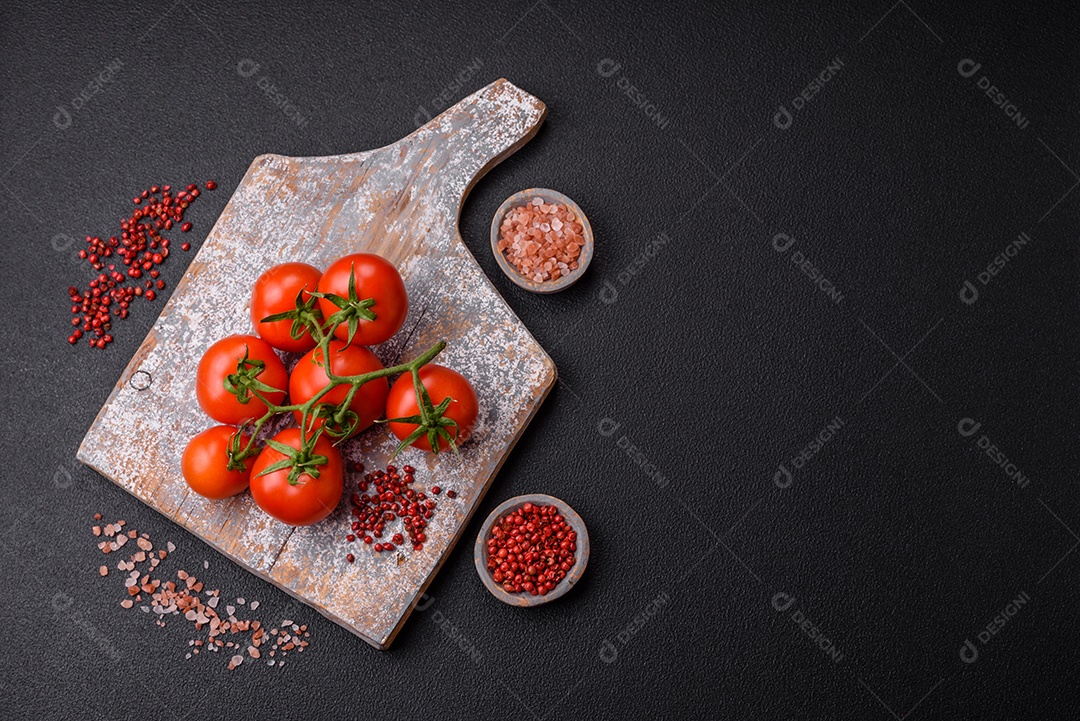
x=719, y=360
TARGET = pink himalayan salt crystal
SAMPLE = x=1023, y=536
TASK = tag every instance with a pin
x=541, y=240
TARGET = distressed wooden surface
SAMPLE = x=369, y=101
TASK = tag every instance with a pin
x=402, y=202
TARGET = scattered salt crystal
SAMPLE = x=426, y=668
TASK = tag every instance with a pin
x=182, y=597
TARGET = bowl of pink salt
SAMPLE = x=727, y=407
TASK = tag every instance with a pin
x=541, y=240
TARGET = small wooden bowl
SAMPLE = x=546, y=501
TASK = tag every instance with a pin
x=549, y=196
x=581, y=557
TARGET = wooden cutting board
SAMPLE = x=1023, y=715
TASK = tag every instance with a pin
x=402, y=202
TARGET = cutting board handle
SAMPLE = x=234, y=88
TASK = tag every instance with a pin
x=480, y=131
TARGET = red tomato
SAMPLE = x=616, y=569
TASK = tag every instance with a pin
x=220, y=361
x=205, y=464
x=441, y=383
x=376, y=278
x=275, y=292
x=310, y=499
x=309, y=377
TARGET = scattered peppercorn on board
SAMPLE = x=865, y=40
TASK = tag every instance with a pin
x=402, y=202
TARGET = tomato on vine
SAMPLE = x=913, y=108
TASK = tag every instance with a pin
x=449, y=413
x=295, y=486
x=297, y=476
x=365, y=403
x=206, y=465
x=281, y=305
x=234, y=373
x=363, y=294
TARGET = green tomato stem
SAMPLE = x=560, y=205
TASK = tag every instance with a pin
x=323, y=333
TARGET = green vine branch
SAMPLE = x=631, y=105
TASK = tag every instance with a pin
x=339, y=420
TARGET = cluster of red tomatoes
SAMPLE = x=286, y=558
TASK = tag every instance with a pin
x=242, y=383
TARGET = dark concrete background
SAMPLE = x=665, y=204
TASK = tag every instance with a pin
x=898, y=539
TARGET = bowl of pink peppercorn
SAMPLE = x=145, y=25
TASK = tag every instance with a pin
x=541, y=240
x=531, y=550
